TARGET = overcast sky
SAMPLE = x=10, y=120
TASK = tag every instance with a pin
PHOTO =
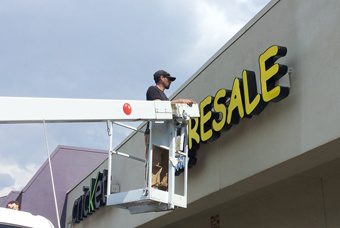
x=99, y=49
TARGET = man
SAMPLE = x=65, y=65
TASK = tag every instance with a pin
x=163, y=81
x=160, y=156
x=13, y=205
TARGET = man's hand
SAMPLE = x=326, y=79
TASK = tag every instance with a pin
x=188, y=102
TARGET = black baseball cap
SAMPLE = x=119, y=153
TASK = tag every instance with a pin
x=158, y=73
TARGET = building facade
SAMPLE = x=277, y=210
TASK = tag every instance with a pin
x=273, y=164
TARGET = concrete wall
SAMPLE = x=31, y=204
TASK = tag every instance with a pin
x=291, y=132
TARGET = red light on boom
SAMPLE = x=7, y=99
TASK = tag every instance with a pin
x=127, y=109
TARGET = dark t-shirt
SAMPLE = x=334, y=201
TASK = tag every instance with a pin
x=154, y=93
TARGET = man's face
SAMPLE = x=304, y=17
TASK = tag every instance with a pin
x=13, y=206
x=166, y=82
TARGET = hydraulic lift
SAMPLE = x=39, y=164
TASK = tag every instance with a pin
x=168, y=125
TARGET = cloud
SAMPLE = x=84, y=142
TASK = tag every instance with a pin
x=212, y=29
x=16, y=142
x=6, y=180
x=19, y=175
x=213, y=24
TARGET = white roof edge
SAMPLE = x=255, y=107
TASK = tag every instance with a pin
x=22, y=218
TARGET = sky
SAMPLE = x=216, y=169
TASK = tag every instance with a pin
x=103, y=49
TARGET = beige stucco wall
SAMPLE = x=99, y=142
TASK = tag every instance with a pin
x=309, y=199
x=284, y=133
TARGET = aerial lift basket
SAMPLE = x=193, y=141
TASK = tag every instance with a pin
x=170, y=136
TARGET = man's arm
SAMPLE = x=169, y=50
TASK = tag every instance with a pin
x=182, y=101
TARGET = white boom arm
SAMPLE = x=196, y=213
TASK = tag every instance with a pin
x=34, y=110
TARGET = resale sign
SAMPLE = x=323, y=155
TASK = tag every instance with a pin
x=227, y=107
